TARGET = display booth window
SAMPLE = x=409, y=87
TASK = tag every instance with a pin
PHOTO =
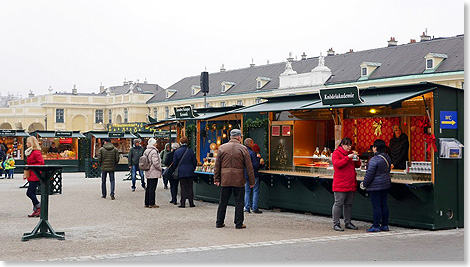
x=63, y=148
x=14, y=146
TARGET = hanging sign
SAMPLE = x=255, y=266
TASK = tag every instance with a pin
x=7, y=132
x=116, y=135
x=63, y=134
x=346, y=95
x=448, y=120
x=184, y=112
x=132, y=127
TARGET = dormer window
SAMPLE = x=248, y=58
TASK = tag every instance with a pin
x=367, y=68
x=433, y=61
x=170, y=93
x=226, y=86
x=261, y=82
x=195, y=89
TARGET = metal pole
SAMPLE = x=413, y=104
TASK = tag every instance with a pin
x=45, y=120
x=205, y=100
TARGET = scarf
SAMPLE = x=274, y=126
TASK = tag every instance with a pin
x=28, y=151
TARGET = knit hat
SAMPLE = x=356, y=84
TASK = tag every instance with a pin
x=235, y=132
x=152, y=142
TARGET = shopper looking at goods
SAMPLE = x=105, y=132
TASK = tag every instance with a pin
x=377, y=182
x=255, y=161
x=33, y=157
x=108, y=158
x=185, y=164
x=344, y=183
x=134, y=155
x=232, y=160
x=169, y=173
x=152, y=174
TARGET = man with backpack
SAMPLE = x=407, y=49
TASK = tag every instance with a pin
x=108, y=158
x=134, y=155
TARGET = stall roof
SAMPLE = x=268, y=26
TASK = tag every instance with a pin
x=144, y=134
x=289, y=102
x=52, y=134
x=106, y=135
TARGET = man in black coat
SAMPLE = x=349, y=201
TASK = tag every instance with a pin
x=399, y=146
x=134, y=155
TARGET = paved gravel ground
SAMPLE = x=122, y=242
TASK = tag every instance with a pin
x=96, y=226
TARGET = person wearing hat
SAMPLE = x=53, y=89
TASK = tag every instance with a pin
x=108, y=158
x=153, y=173
x=134, y=155
x=232, y=160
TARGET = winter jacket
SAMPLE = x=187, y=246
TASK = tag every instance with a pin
x=232, y=160
x=3, y=155
x=399, y=151
x=108, y=157
x=168, y=161
x=164, y=154
x=255, y=161
x=344, y=177
x=188, y=163
x=134, y=155
x=34, y=158
x=155, y=170
x=10, y=164
x=378, y=173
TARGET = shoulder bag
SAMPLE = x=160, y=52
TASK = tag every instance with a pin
x=175, y=173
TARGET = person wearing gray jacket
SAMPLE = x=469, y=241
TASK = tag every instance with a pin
x=108, y=158
x=134, y=155
x=153, y=173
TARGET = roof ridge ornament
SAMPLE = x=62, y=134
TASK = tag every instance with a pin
x=288, y=70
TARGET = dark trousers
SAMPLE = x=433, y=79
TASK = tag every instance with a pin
x=379, y=207
x=103, y=182
x=31, y=192
x=238, y=194
x=186, y=190
x=174, y=189
x=150, y=191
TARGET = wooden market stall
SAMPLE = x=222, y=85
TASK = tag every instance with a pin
x=14, y=142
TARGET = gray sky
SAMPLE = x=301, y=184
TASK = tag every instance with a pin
x=60, y=43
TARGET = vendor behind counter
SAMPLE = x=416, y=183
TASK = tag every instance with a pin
x=399, y=146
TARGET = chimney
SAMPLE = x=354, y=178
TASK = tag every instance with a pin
x=412, y=41
x=74, y=90
x=304, y=56
x=222, y=68
x=125, y=83
x=31, y=94
x=145, y=81
x=392, y=42
x=350, y=51
x=425, y=37
x=330, y=52
x=290, y=58
x=101, y=89
x=252, y=64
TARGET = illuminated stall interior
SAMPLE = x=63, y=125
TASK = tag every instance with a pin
x=65, y=142
x=14, y=142
x=122, y=141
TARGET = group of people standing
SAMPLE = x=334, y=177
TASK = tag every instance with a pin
x=7, y=163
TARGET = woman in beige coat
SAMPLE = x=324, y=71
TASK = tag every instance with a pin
x=153, y=173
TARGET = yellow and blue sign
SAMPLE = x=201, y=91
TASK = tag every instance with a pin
x=448, y=120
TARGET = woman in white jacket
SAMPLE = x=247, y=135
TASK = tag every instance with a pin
x=153, y=173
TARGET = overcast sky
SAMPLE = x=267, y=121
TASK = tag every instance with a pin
x=60, y=43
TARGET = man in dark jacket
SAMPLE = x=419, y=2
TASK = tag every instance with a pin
x=232, y=160
x=399, y=147
x=255, y=161
x=134, y=155
x=108, y=158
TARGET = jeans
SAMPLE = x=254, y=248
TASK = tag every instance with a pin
x=103, y=182
x=343, y=202
x=10, y=173
x=150, y=192
x=31, y=193
x=134, y=169
x=379, y=207
x=225, y=193
x=248, y=203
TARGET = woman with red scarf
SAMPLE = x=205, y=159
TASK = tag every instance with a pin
x=34, y=157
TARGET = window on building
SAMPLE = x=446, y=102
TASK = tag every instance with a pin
x=126, y=115
x=59, y=115
x=429, y=64
x=258, y=84
x=257, y=100
x=223, y=104
x=240, y=102
x=167, y=112
x=99, y=116
x=364, y=71
x=155, y=113
x=110, y=116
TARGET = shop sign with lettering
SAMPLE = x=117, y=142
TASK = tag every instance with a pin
x=346, y=95
x=132, y=127
x=63, y=134
x=116, y=135
x=184, y=112
x=7, y=132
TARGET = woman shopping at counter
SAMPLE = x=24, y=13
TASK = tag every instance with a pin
x=344, y=183
x=377, y=182
x=34, y=157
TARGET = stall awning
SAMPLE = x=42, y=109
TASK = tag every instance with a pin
x=7, y=132
x=145, y=134
x=106, y=135
x=375, y=97
x=280, y=104
x=59, y=135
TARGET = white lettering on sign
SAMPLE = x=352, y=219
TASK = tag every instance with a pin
x=448, y=117
x=339, y=96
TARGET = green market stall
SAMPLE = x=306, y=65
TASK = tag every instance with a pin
x=305, y=129
x=15, y=142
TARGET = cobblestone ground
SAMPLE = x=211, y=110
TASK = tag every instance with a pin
x=94, y=226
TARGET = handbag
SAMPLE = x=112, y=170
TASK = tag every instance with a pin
x=166, y=172
x=175, y=173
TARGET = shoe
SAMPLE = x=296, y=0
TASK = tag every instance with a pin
x=337, y=227
x=384, y=228
x=144, y=187
x=192, y=206
x=247, y=211
x=171, y=201
x=175, y=203
x=220, y=226
x=166, y=187
x=181, y=206
x=350, y=226
x=373, y=230
x=146, y=206
x=257, y=211
x=35, y=213
x=154, y=206
x=103, y=196
x=133, y=189
x=113, y=198
x=241, y=227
